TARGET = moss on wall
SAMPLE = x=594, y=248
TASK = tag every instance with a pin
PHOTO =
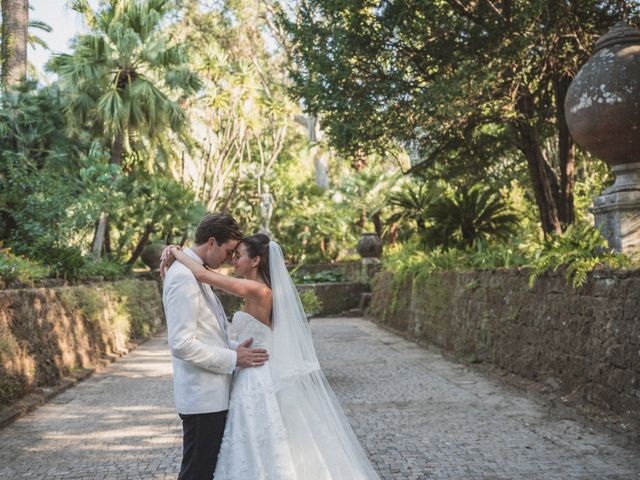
x=47, y=333
x=587, y=339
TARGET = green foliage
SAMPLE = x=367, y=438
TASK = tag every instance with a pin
x=472, y=89
x=311, y=302
x=412, y=261
x=135, y=304
x=120, y=76
x=445, y=216
x=66, y=262
x=17, y=268
x=412, y=203
x=325, y=276
x=466, y=216
x=161, y=205
x=47, y=209
x=130, y=80
x=104, y=268
x=490, y=256
x=580, y=250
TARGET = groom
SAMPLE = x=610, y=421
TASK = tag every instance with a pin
x=203, y=356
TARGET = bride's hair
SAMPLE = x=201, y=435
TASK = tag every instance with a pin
x=258, y=246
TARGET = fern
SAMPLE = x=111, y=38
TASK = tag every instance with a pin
x=580, y=250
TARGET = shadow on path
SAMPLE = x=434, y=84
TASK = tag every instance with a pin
x=418, y=415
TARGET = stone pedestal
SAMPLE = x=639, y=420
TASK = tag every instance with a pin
x=602, y=109
x=617, y=210
x=370, y=266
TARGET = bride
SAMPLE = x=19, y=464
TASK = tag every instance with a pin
x=284, y=420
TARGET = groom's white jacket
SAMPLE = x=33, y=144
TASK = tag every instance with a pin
x=200, y=349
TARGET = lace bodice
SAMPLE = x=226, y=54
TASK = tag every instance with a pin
x=245, y=326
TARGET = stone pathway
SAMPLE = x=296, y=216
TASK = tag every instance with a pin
x=418, y=415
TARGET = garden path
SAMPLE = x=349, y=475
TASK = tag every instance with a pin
x=418, y=415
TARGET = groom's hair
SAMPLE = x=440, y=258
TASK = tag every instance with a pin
x=220, y=226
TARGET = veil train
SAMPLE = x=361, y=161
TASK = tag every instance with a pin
x=322, y=443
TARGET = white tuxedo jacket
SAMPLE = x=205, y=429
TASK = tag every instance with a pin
x=201, y=352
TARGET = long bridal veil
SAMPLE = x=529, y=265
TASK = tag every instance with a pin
x=322, y=442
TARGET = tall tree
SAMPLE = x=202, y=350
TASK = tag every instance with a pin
x=15, y=19
x=242, y=118
x=464, y=82
x=125, y=79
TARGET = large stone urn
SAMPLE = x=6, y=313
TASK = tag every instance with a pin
x=603, y=115
x=370, y=249
x=369, y=246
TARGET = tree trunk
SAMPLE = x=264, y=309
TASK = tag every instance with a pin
x=566, y=154
x=117, y=150
x=538, y=169
x=393, y=233
x=15, y=17
x=148, y=230
x=377, y=223
x=107, y=239
x=232, y=192
x=98, y=240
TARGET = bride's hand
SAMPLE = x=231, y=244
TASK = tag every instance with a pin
x=167, y=258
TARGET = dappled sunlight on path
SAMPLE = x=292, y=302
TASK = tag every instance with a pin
x=120, y=423
x=418, y=415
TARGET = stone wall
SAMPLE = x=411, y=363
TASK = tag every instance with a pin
x=48, y=333
x=586, y=340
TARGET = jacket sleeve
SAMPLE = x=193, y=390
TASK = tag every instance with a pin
x=182, y=300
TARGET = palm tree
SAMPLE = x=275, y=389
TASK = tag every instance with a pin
x=412, y=202
x=125, y=79
x=15, y=19
x=32, y=41
x=467, y=215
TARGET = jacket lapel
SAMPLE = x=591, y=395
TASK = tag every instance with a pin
x=213, y=302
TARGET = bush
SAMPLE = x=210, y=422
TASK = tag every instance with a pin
x=65, y=262
x=412, y=260
x=106, y=268
x=311, y=303
x=580, y=250
x=16, y=268
x=462, y=217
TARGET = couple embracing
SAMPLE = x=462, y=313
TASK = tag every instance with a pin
x=253, y=400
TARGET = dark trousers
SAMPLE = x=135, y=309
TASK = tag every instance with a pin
x=202, y=436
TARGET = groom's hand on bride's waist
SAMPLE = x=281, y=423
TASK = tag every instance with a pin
x=250, y=357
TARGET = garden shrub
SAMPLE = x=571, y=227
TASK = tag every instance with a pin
x=20, y=269
x=311, y=303
x=579, y=250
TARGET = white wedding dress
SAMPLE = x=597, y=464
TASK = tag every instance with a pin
x=284, y=421
x=255, y=443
